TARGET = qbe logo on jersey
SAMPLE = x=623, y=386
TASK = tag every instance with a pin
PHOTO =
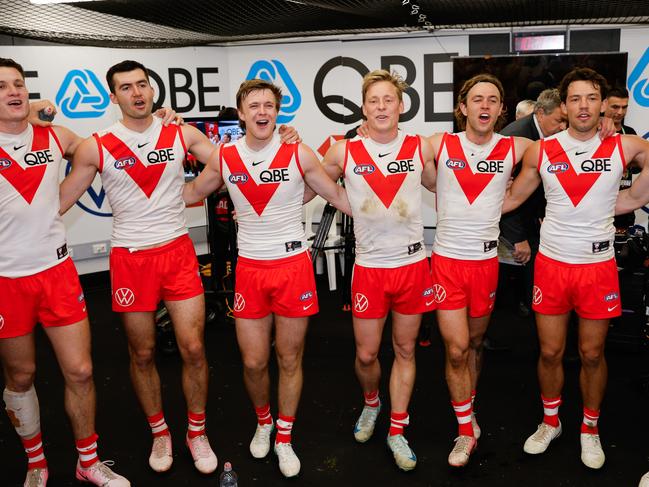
x=275, y=72
x=82, y=95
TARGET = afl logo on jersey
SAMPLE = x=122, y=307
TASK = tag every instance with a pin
x=362, y=169
x=238, y=178
x=455, y=164
x=610, y=297
x=306, y=295
x=4, y=164
x=558, y=167
x=124, y=163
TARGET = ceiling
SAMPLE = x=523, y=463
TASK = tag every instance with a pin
x=152, y=23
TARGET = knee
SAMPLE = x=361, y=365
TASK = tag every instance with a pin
x=404, y=352
x=20, y=378
x=193, y=352
x=366, y=358
x=551, y=356
x=591, y=357
x=255, y=365
x=143, y=357
x=457, y=356
x=475, y=342
x=81, y=373
x=289, y=363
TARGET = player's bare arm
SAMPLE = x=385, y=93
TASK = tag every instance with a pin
x=527, y=180
x=209, y=180
x=332, y=165
x=321, y=181
x=429, y=173
x=636, y=150
x=85, y=165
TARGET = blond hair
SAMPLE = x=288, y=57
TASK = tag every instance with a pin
x=379, y=75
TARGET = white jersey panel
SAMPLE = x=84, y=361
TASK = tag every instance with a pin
x=143, y=176
x=32, y=235
x=383, y=183
x=267, y=189
x=581, y=180
x=471, y=184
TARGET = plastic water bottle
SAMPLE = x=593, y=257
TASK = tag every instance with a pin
x=228, y=477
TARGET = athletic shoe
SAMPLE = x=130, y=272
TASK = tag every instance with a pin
x=204, y=458
x=464, y=446
x=99, y=473
x=404, y=457
x=161, y=456
x=540, y=440
x=36, y=477
x=644, y=481
x=260, y=444
x=289, y=463
x=364, y=428
x=592, y=454
x=476, y=427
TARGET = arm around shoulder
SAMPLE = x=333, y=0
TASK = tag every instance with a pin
x=85, y=165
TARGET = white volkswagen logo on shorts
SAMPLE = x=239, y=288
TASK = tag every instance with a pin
x=360, y=302
x=2, y=322
x=124, y=296
x=439, y=292
x=239, y=302
x=537, y=295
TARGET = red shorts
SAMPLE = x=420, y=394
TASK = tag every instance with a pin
x=406, y=290
x=468, y=284
x=285, y=287
x=141, y=279
x=52, y=297
x=592, y=290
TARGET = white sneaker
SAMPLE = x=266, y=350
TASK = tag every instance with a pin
x=36, y=477
x=161, y=456
x=289, y=463
x=464, y=446
x=592, y=454
x=364, y=427
x=100, y=474
x=404, y=457
x=205, y=460
x=476, y=427
x=260, y=444
x=541, y=438
x=644, y=481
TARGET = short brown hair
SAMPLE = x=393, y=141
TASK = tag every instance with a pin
x=123, y=67
x=10, y=63
x=379, y=75
x=583, y=74
x=251, y=85
x=460, y=117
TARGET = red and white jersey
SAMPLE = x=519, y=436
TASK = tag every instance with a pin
x=383, y=183
x=32, y=235
x=143, y=176
x=471, y=184
x=267, y=188
x=581, y=181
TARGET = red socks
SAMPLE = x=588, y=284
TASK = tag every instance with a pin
x=463, y=411
x=195, y=424
x=589, y=424
x=263, y=414
x=372, y=399
x=34, y=449
x=284, y=426
x=158, y=425
x=87, y=448
x=397, y=422
x=551, y=410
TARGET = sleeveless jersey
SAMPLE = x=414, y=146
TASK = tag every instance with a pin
x=581, y=181
x=142, y=174
x=32, y=235
x=471, y=184
x=383, y=184
x=267, y=188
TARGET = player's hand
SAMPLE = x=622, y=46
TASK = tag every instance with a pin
x=169, y=115
x=606, y=127
x=40, y=110
x=363, y=130
x=288, y=135
x=522, y=252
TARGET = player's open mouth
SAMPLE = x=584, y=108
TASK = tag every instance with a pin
x=15, y=103
x=484, y=117
x=262, y=123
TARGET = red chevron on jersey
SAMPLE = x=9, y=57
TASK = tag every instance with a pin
x=385, y=187
x=576, y=185
x=473, y=184
x=27, y=181
x=146, y=177
x=258, y=195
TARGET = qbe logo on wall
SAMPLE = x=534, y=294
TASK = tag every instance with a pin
x=275, y=72
x=82, y=95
